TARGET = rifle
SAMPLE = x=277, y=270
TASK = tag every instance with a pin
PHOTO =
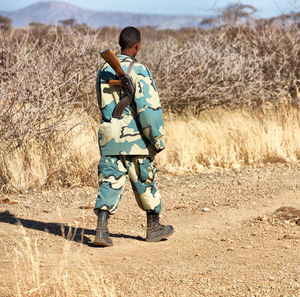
x=125, y=82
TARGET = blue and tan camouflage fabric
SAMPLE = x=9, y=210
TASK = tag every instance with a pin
x=113, y=172
x=141, y=128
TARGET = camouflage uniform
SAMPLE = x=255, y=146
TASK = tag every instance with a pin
x=128, y=145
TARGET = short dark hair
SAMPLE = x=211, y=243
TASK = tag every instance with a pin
x=128, y=37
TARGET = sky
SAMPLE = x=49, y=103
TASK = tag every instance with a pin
x=266, y=8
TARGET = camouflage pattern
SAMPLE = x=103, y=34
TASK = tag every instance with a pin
x=113, y=172
x=141, y=128
x=128, y=145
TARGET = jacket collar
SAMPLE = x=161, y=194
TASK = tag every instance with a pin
x=124, y=56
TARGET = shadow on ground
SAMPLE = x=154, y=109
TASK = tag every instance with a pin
x=59, y=229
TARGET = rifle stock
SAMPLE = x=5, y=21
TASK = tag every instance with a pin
x=110, y=57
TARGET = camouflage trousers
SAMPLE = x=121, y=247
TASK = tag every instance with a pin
x=113, y=172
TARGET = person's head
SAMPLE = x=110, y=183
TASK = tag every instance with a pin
x=130, y=40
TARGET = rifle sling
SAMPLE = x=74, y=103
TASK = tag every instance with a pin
x=98, y=89
x=124, y=101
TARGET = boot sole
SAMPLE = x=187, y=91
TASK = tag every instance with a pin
x=101, y=243
x=156, y=239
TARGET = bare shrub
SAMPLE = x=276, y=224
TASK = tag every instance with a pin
x=5, y=23
x=36, y=24
x=43, y=82
x=230, y=66
x=48, y=98
x=68, y=22
x=237, y=11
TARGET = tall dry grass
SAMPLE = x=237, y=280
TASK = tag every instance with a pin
x=49, y=115
x=226, y=139
x=66, y=276
x=214, y=140
x=63, y=159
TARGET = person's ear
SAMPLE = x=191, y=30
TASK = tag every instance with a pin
x=137, y=46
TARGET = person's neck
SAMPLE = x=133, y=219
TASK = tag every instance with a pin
x=128, y=52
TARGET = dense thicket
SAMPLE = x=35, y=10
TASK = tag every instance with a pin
x=47, y=75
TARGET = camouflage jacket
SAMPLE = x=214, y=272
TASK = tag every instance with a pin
x=141, y=128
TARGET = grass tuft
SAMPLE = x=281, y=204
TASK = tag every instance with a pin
x=67, y=276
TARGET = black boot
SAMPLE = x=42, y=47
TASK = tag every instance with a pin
x=102, y=236
x=156, y=231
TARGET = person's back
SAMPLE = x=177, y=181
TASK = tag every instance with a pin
x=128, y=143
x=140, y=130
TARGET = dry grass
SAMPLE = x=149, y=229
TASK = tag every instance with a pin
x=59, y=279
x=66, y=158
x=214, y=140
x=221, y=139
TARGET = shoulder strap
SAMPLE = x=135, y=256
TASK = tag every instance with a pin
x=98, y=91
x=129, y=67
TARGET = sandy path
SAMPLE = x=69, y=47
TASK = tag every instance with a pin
x=225, y=251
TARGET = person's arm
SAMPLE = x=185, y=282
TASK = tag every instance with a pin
x=149, y=108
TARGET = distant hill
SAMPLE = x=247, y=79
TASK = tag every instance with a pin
x=51, y=12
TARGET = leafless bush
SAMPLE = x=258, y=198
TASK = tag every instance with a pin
x=5, y=23
x=233, y=65
x=193, y=68
x=68, y=22
x=42, y=81
x=47, y=82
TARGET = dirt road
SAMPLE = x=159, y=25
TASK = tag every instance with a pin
x=226, y=241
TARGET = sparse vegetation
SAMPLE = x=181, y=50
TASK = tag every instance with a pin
x=5, y=23
x=236, y=12
x=231, y=100
x=68, y=22
x=49, y=115
x=61, y=280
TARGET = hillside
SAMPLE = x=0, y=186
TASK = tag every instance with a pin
x=53, y=12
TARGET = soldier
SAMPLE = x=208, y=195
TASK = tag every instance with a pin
x=128, y=144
